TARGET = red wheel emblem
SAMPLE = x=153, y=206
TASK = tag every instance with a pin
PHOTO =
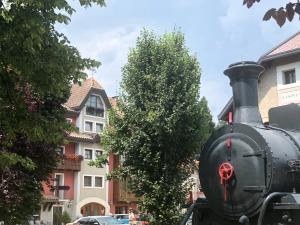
x=225, y=173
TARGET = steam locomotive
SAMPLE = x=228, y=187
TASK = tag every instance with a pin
x=249, y=171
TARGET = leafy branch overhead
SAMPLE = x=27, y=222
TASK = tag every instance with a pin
x=37, y=68
x=281, y=14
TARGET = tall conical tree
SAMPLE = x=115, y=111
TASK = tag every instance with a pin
x=159, y=123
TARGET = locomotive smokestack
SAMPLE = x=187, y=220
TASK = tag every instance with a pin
x=244, y=81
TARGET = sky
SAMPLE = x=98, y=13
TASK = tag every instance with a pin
x=218, y=32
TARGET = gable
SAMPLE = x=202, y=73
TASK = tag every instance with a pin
x=288, y=47
x=80, y=94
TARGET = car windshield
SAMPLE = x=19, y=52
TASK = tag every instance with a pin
x=108, y=220
x=122, y=216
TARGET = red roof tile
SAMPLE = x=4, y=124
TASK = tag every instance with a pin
x=79, y=92
x=82, y=137
x=286, y=48
x=291, y=44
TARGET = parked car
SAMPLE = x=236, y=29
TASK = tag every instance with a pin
x=122, y=218
x=96, y=220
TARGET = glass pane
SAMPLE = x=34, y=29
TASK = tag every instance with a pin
x=99, y=112
x=94, y=106
x=98, y=181
x=289, y=77
x=60, y=151
x=88, y=181
x=88, y=210
x=98, y=153
x=88, y=154
x=88, y=126
x=99, y=127
x=96, y=211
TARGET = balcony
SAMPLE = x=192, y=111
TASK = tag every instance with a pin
x=124, y=192
x=70, y=162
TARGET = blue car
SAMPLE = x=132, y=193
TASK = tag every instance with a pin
x=122, y=218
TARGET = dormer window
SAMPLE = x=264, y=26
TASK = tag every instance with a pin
x=289, y=76
x=94, y=106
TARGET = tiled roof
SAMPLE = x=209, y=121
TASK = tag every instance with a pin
x=289, y=46
x=50, y=198
x=81, y=137
x=69, y=109
x=79, y=92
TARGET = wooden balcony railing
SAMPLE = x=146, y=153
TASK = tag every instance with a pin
x=124, y=192
x=70, y=162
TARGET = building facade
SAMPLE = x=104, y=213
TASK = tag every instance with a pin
x=279, y=84
x=80, y=189
x=119, y=197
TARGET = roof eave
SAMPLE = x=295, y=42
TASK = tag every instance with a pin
x=264, y=59
x=96, y=139
x=280, y=44
x=227, y=108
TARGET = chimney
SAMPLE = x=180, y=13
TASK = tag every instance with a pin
x=244, y=81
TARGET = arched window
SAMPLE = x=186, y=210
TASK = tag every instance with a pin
x=94, y=106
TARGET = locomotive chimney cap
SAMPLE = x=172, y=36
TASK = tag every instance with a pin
x=242, y=63
x=242, y=68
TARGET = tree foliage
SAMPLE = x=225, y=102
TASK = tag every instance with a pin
x=281, y=14
x=37, y=67
x=159, y=123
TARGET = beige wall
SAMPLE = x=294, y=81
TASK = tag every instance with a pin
x=267, y=92
x=268, y=86
x=93, y=171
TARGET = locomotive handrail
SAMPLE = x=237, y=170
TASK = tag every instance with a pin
x=188, y=213
x=266, y=203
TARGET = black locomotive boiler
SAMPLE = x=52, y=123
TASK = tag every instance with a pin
x=249, y=171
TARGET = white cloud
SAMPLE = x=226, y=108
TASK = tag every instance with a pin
x=217, y=92
x=240, y=23
x=111, y=49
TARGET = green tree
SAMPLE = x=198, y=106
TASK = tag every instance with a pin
x=281, y=14
x=37, y=68
x=159, y=123
x=66, y=218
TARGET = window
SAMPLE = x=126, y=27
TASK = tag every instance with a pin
x=99, y=182
x=99, y=127
x=60, y=150
x=289, y=76
x=94, y=106
x=87, y=181
x=88, y=126
x=59, y=181
x=98, y=153
x=88, y=154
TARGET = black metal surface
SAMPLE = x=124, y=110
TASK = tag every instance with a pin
x=248, y=159
x=244, y=81
x=278, y=117
x=265, y=160
x=266, y=203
